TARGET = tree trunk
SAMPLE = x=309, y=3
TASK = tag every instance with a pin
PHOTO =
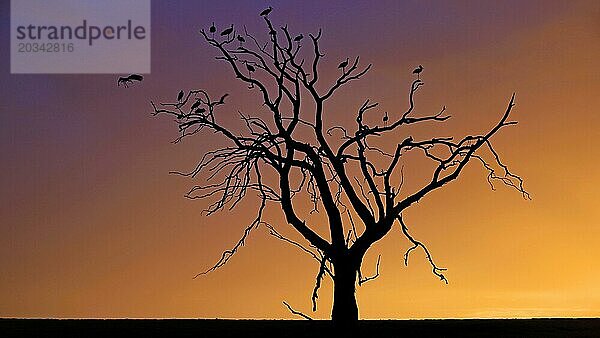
x=345, y=309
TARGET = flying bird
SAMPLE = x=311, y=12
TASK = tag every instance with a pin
x=266, y=11
x=180, y=96
x=343, y=65
x=299, y=37
x=227, y=32
x=136, y=77
x=127, y=80
x=418, y=71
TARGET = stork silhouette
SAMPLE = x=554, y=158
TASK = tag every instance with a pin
x=241, y=40
x=418, y=71
x=213, y=29
x=251, y=69
x=343, y=65
x=227, y=32
x=196, y=104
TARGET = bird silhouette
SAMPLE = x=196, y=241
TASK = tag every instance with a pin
x=126, y=81
x=266, y=11
x=180, y=96
x=299, y=37
x=136, y=77
x=196, y=104
x=241, y=39
x=385, y=119
x=418, y=71
x=250, y=70
x=344, y=64
x=228, y=31
x=213, y=29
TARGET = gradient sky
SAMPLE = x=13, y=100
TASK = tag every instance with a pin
x=92, y=225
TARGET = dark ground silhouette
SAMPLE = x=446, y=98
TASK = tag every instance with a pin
x=299, y=328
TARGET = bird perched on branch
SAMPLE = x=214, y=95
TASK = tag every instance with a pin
x=241, y=39
x=298, y=38
x=251, y=69
x=196, y=104
x=385, y=119
x=228, y=31
x=266, y=11
x=418, y=71
x=343, y=65
x=213, y=29
x=180, y=96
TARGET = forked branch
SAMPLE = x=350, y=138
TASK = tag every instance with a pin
x=416, y=244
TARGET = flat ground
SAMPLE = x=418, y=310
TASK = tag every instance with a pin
x=298, y=328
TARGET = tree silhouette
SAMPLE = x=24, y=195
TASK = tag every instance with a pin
x=291, y=156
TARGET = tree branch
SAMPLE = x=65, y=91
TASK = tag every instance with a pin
x=435, y=269
x=298, y=313
x=362, y=280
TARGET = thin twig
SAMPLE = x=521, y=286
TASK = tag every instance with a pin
x=298, y=313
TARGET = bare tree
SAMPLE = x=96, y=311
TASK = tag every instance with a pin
x=291, y=155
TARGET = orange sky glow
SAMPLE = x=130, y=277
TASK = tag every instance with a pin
x=92, y=224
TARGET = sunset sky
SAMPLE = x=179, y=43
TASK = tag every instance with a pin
x=92, y=224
